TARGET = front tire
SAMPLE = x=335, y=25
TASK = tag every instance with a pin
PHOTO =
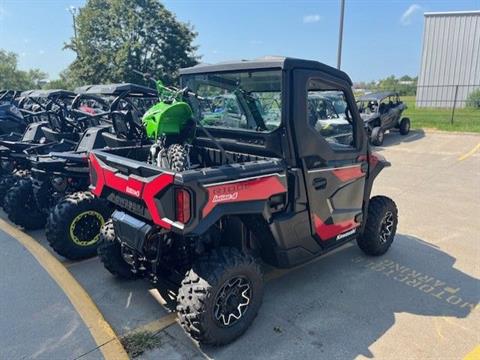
x=110, y=253
x=6, y=183
x=220, y=296
x=9, y=180
x=404, y=126
x=381, y=226
x=21, y=207
x=377, y=136
x=73, y=225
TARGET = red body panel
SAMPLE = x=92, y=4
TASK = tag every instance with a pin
x=348, y=173
x=132, y=187
x=326, y=232
x=246, y=190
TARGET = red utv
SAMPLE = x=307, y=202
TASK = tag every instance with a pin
x=282, y=185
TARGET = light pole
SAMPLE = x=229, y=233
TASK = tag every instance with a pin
x=340, y=34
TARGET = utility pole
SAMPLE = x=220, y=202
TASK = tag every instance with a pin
x=74, y=11
x=340, y=34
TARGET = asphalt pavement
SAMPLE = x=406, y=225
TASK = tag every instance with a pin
x=37, y=321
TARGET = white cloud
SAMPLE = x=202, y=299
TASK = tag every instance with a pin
x=312, y=18
x=406, y=18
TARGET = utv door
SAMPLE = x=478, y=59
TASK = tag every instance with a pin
x=331, y=146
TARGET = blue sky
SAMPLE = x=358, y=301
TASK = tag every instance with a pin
x=380, y=37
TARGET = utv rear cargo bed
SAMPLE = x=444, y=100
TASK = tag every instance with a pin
x=124, y=177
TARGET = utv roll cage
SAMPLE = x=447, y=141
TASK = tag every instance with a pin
x=123, y=112
x=378, y=97
x=9, y=96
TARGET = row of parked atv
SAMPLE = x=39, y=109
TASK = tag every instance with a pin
x=44, y=175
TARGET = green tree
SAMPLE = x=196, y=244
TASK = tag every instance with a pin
x=65, y=81
x=473, y=100
x=13, y=78
x=116, y=36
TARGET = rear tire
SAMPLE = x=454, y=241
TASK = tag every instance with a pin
x=381, y=226
x=110, y=254
x=178, y=157
x=73, y=225
x=377, y=136
x=220, y=296
x=404, y=126
x=22, y=208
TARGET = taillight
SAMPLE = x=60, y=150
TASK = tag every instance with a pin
x=182, y=206
x=93, y=175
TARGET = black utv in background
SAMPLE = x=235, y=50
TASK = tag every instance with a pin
x=49, y=129
x=282, y=186
x=382, y=111
x=56, y=195
x=16, y=112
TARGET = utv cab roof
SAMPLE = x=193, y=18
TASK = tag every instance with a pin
x=117, y=89
x=49, y=93
x=377, y=96
x=284, y=63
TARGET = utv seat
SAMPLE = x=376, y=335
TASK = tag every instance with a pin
x=383, y=108
x=126, y=127
x=59, y=129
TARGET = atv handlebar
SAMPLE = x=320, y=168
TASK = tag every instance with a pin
x=174, y=92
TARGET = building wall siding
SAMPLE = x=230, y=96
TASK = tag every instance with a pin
x=450, y=57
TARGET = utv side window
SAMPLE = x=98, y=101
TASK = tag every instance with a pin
x=329, y=114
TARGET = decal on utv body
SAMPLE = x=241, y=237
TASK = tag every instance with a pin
x=260, y=188
x=339, y=230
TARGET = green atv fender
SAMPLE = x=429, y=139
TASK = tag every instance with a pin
x=166, y=118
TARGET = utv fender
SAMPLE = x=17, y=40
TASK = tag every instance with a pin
x=376, y=163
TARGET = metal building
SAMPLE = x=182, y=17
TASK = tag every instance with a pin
x=450, y=67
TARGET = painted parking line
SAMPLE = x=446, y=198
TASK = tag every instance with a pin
x=102, y=333
x=157, y=325
x=474, y=354
x=470, y=153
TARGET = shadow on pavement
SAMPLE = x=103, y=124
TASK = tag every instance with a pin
x=394, y=138
x=339, y=306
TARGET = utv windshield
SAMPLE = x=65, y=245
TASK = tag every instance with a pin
x=249, y=100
